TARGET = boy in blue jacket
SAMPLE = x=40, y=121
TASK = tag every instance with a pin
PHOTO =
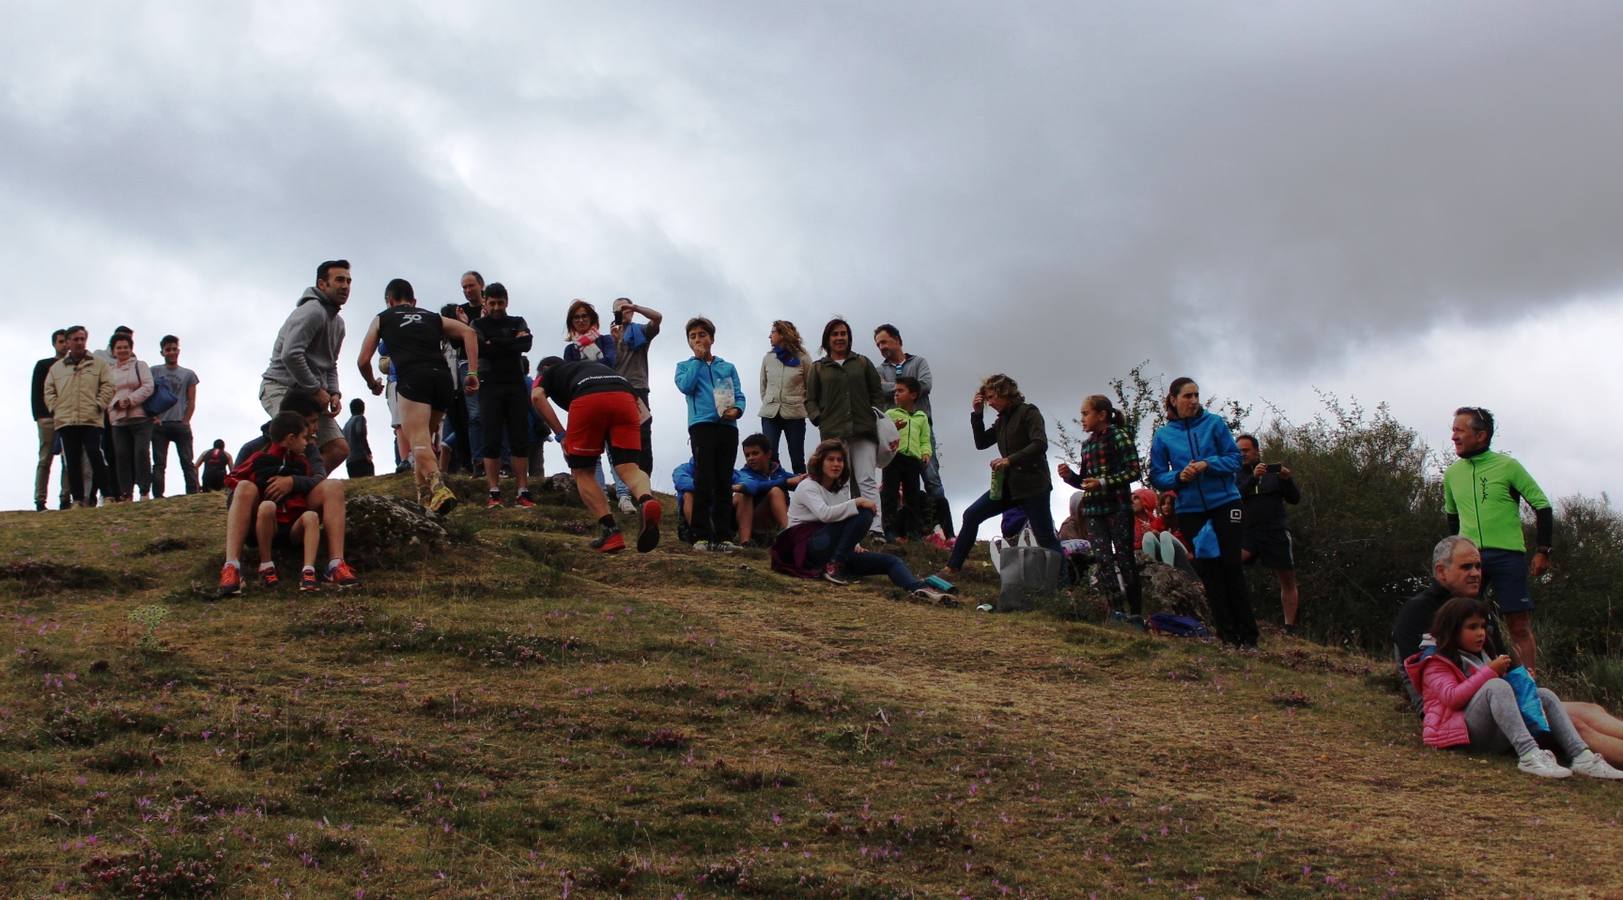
x=715, y=398
x=761, y=490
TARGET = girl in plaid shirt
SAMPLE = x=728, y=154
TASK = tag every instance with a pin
x=1109, y=467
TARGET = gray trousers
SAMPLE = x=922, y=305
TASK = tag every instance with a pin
x=47, y=453
x=179, y=434
x=1495, y=722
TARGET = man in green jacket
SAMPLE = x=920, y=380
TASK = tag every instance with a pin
x=1482, y=494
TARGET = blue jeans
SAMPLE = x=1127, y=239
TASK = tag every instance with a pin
x=795, y=431
x=1035, y=508
x=833, y=543
x=476, y=428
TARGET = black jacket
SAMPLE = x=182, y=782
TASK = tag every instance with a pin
x=1265, y=498
x=1021, y=437
x=502, y=344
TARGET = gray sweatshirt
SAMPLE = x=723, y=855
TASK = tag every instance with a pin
x=306, y=352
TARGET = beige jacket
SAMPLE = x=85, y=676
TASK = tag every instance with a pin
x=783, y=389
x=78, y=393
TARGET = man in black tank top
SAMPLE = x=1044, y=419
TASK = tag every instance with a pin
x=425, y=382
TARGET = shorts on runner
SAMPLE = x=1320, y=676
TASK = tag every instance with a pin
x=604, y=419
x=429, y=386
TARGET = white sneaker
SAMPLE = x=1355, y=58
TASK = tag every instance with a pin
x=1590, y=763
x=1542, y=763
x=626, y=504
x=984, y=607
x=725, y=547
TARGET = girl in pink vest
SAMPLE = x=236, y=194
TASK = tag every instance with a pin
x=1468, y=703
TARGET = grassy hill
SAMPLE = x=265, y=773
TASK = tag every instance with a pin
x=514, y=715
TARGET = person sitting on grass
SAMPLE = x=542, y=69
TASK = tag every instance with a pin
x=825, y=524
x=275, y=495
x=1468, y=703
x=1456, y=571
x=602, y=412
x=682, y=483
x=761, y=490
x=905, y=508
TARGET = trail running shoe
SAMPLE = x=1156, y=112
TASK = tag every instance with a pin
x=308, y=584
x=931, y=595
x=230, y=581
x=495, y=502
x=442, y=501
x=833, y=575
x=268, y=578
x=524, y=500
x=648, y=530
x=613, y=542
x=343, y=576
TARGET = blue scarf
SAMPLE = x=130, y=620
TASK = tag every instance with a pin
x=785, y=357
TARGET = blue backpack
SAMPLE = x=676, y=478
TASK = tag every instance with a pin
x=1177, y=626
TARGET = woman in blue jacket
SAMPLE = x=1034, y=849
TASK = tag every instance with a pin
x=1195, y=455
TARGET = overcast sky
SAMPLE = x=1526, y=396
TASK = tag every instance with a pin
x=1419, y=203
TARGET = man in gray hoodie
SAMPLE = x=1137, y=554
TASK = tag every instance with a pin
x=305, y=357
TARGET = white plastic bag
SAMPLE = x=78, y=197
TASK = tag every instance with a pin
x=1026, y=538
x=889, y=438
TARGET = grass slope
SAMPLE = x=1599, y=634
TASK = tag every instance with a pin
x=516, y=716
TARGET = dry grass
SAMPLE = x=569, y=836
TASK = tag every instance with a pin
x=519, y=717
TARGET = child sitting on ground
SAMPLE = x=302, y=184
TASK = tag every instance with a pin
x=1468, y=703
x=288, y=518
x=905, y=506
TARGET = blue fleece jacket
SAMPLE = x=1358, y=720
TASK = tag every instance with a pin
x=682, y=478
x=756, y=484
x=698, y=381
x=1182, y=441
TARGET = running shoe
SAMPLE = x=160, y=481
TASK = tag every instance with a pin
x=230, y=581
x=931, y=595
x=725, y=547
x=627, y=505
x=524, y=500
x=343, y=576
x=833, y=575
x=495, y=502
x=613, y=542
x=442, y=501
x=308, y=584
x=648, y=530
x=268, y=578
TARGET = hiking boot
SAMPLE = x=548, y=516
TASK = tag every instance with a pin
x=230, y=581
x=627, y=505
x=343, y=576
x=268, y=578
x=833, y=575
x=524, y=500
x=1542, y=763
x=308, y=583
x=612, y=542
x=442, y=501
x=648, y=529
x=1590, y=763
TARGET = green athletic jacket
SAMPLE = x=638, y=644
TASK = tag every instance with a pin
x=1484, y=493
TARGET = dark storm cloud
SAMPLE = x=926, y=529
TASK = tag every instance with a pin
x=1055, y=189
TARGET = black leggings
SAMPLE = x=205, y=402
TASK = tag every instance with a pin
x=715, y=449
x=1224, y=577
x=77, y=439
x=1112, y=537
x=505, y=408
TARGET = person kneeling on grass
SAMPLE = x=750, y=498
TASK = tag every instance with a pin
x=274, y=495
x=602, y=412
x=761, y=490
x=1468, y=703
x=825, y=524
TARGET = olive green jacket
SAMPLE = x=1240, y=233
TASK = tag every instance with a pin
x=1021, y=437
x=840, y=398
